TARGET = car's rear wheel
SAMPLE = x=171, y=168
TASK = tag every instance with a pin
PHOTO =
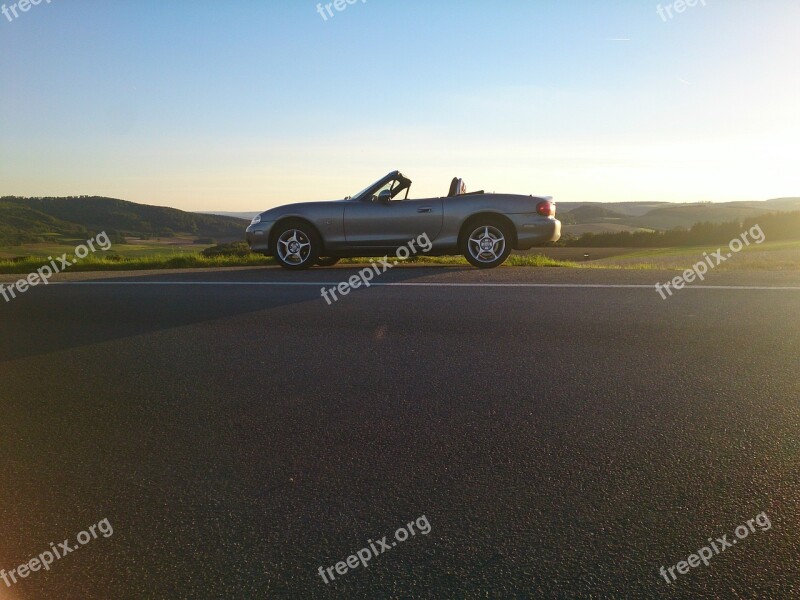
x=486, y=243
x=297, y=245
x=327, y=261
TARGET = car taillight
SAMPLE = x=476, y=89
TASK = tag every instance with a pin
x=546, y=208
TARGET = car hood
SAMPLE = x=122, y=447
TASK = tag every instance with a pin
x=298, y=207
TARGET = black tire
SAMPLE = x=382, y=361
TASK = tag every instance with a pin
x=327, y=261
x=486, y=242
x=296, y=245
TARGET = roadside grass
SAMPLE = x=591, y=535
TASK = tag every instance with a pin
x=97, y=262
x=768, y=256
x=137, y=257
x=134, y=249
x=117, y=263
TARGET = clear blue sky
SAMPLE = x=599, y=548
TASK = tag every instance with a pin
x=244, y=105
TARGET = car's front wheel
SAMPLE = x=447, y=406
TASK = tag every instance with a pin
x=485, y=244
x=297, y=245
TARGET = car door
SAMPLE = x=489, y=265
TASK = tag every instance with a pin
x=391, y=224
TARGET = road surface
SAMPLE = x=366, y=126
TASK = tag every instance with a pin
x=566, y=433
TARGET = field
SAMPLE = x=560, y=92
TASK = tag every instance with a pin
x=769, y=256
x=135, y=248
x=181, y=253
x=604, y=227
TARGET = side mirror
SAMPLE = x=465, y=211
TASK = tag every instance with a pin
x=385, y=196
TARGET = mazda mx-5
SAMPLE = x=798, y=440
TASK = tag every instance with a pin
x=483, y=227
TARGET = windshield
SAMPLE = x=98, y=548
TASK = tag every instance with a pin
x=367, y=189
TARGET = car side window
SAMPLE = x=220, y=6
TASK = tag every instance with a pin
x=388, y=186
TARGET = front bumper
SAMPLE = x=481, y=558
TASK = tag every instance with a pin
x=533, y=229
x=257, y=236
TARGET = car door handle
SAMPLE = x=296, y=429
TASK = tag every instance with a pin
x=425, y=209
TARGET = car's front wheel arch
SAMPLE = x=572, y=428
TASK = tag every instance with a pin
x=280, y=226
x=302, y=225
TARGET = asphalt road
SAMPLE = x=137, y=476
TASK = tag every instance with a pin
x=562, y=440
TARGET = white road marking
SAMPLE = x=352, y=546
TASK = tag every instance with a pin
x=419, y=284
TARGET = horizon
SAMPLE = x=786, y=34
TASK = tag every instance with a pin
x=211, y=110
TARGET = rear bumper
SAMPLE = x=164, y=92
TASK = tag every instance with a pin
x=535, y=229
x=257, y=236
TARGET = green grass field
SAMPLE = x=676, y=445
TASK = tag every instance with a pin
x=139, y=249
x=196, y=261
x=175, y=254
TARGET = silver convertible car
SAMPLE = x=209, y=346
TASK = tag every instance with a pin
x=381, y=219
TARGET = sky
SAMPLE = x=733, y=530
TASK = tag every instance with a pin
x=244, y=105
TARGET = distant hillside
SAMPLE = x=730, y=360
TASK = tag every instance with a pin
x=592, y=214
x=785, y=203
x=777, y=226
x=239, y=215
x=662, y=216
x=24, y=220
x=20, y=224
x=686, y=215
x=628, y=209
x=589, y=213
x=577, y=230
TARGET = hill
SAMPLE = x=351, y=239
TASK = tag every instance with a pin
x=20, y=224
x=239, y=215
x=662, y=216
x=26, y=220
x=569, y=230
x=775, y=227
x=589, y=213
x=627, y=209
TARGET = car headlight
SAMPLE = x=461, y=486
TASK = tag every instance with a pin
x=256, y=220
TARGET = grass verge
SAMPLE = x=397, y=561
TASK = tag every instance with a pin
x=115, y=263
x=196, y=261
x=769, y=256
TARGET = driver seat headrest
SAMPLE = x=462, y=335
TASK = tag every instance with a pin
x=457, y=187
